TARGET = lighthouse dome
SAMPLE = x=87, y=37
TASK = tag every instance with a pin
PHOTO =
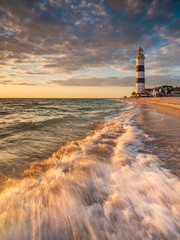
x=140, y=50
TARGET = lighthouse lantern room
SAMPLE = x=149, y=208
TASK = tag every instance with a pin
x=140, y=73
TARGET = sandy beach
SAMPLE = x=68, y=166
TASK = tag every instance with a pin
x=160, y=119
x=167, y=105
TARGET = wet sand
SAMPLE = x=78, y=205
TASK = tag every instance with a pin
x=160, y=119
x=164, y=129
x=166, y=105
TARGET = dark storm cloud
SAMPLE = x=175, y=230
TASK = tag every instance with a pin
x=63, y=36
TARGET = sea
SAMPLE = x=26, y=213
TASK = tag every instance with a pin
x=91, y=169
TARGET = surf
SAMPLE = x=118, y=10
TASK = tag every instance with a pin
x=104, y=186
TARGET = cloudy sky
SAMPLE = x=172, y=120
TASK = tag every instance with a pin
x=86, y=48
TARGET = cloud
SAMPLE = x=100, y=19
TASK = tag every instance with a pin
x=60, y=36
x=159, y=80
x=89, y=82
x=151, y=80
x=10, y=82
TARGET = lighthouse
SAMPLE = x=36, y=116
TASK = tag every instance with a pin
x=140, y=73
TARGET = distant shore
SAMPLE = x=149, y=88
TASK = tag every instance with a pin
x=167, y=105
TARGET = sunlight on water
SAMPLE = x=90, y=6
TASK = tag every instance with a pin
x=32, y=129
x=101, y=187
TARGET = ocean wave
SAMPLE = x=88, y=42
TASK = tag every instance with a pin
x=101, y=187
x=26, y=126
x=55, y=108
x=5, y=113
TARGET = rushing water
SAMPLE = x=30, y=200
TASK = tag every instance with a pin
x=100, y=184
x=32, y=129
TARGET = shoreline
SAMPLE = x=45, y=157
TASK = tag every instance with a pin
x=162, y=125
x=159, y=119
x=166, y=105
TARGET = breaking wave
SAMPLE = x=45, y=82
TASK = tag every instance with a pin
x=102, y=187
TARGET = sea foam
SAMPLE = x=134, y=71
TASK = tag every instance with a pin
x=104, y=186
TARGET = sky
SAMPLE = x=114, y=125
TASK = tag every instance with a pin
x=86, y=48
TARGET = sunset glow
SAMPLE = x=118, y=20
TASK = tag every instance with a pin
x=74, y=49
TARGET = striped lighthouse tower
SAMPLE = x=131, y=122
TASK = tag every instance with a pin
x=140, y=74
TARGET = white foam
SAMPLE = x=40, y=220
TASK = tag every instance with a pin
x=102, y=187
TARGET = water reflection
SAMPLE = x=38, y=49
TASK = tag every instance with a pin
x=165, y=131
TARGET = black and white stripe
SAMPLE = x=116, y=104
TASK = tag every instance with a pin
x=140, y=72
x=140, y=68
x=140, y=80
